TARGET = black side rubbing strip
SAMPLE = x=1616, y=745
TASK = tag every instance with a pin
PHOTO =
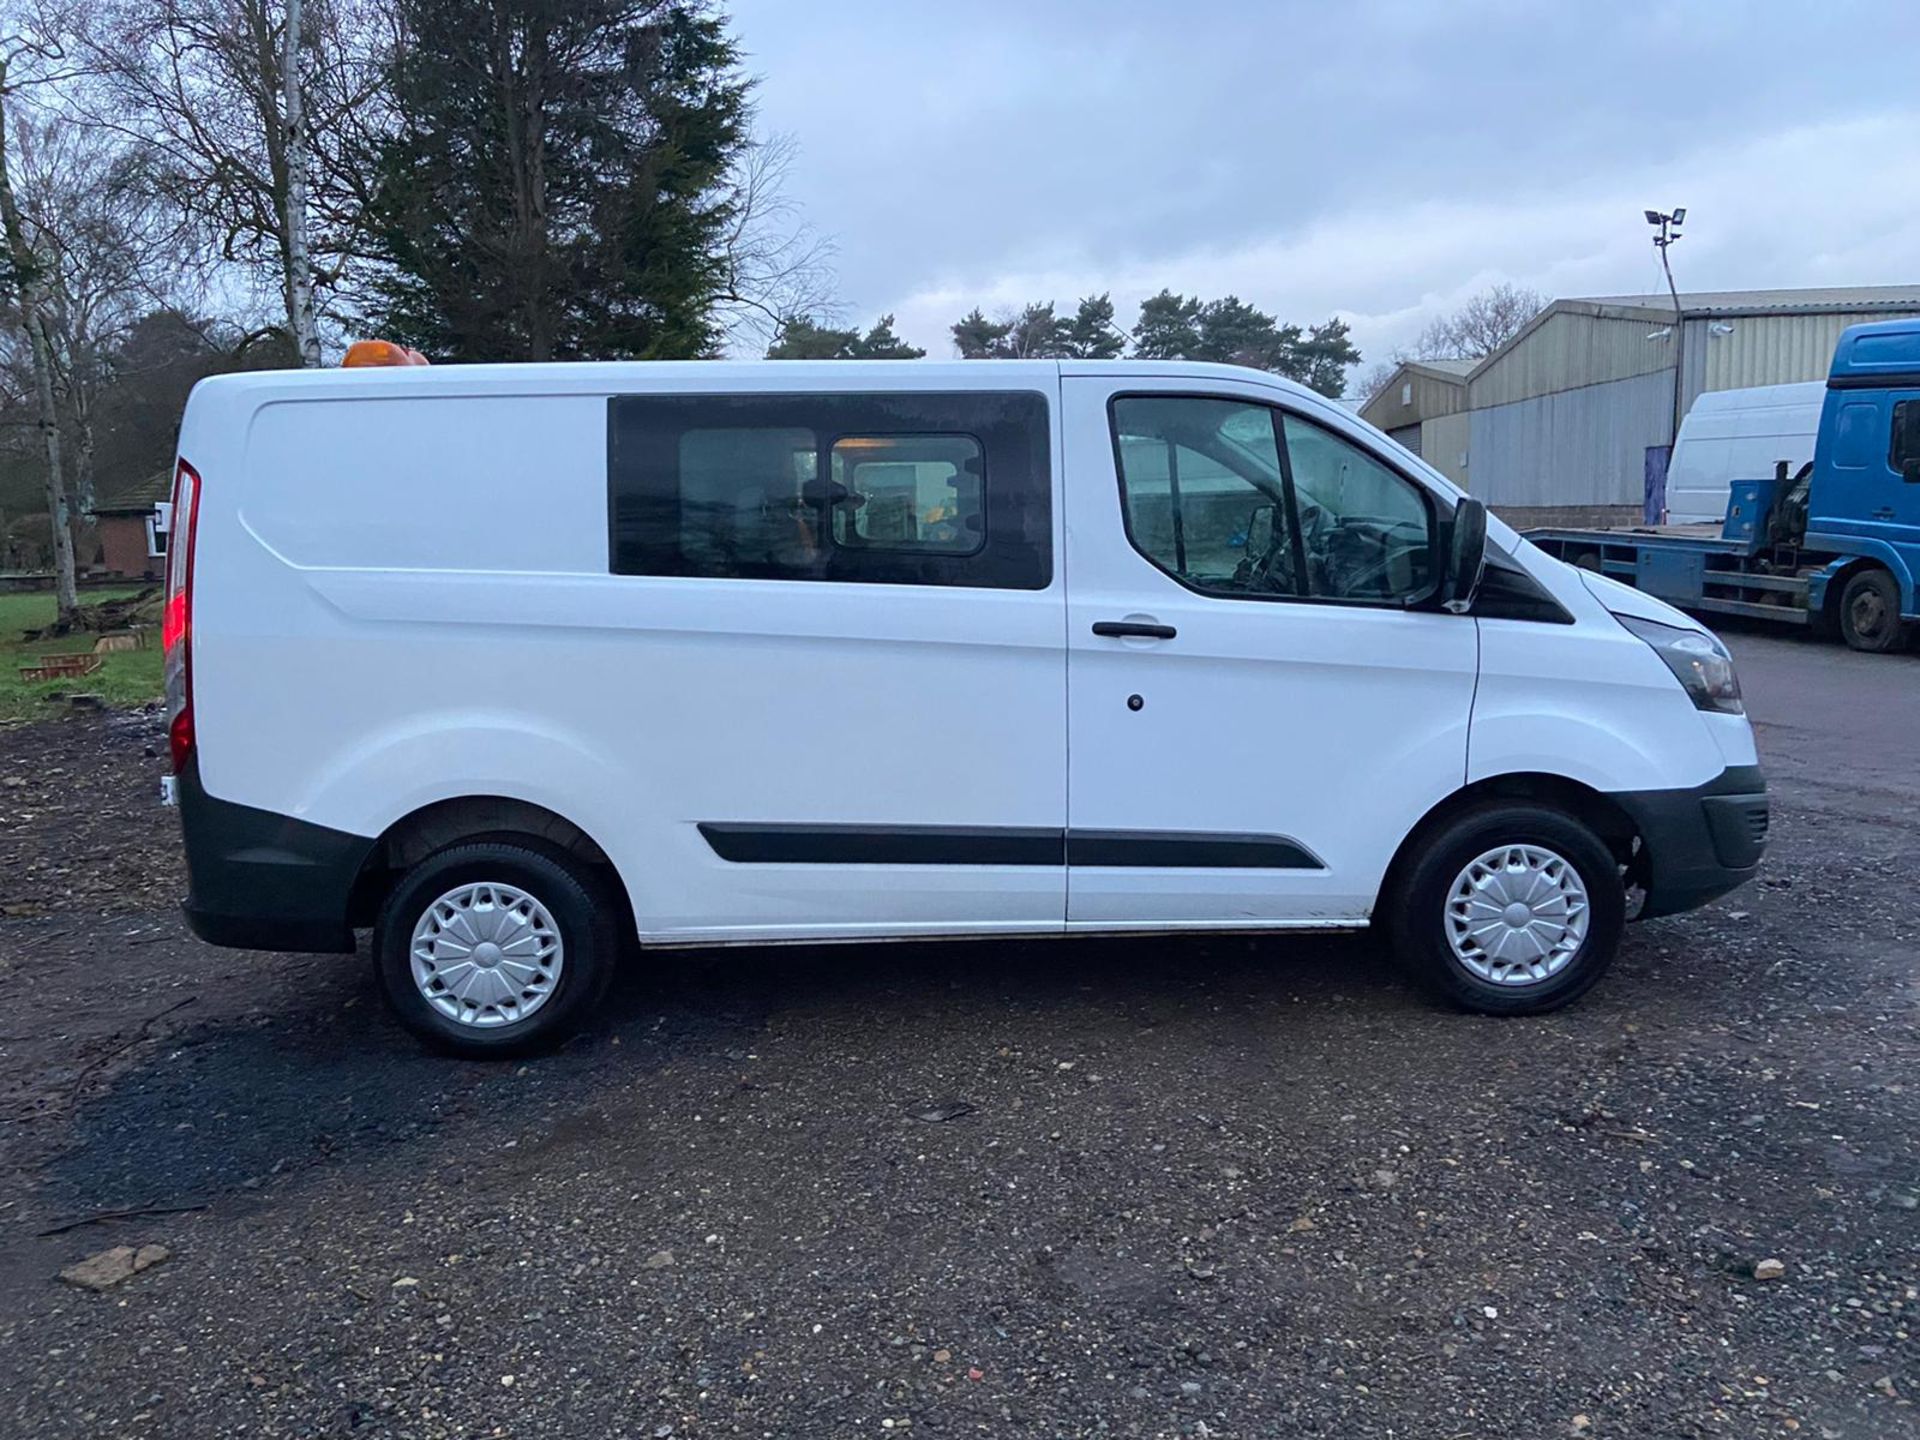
x=1187, y=850
x=748, y=844
x=882, y=845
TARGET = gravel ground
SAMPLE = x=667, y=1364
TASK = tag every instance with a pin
x=1146, y=1188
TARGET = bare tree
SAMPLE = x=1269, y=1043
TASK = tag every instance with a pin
x=773, y=263
x=1371, y=381
x=251, y=115
x=108, y=256
x=32, y=56
x=1480, y=326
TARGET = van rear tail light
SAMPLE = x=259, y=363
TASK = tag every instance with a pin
x=176, y=618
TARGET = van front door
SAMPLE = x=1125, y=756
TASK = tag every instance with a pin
x=1257, y=713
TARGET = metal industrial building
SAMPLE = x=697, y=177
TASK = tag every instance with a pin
x=1572, y=420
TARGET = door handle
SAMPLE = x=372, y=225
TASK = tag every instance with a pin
x=1133, y=629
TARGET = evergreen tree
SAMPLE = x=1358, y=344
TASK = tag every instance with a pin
x=1039, y=332
x=1091, y=334
x=555, y=187
x=1232, y=332
x=880, y=343
x=1325, y=356
x=801, y=339
x=1168, y=328
x=978, y=338
x=1036, y=334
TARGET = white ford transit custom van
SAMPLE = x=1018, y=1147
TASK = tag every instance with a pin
x=517, y=664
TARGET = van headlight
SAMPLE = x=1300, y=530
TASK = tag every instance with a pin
x=1698, y=661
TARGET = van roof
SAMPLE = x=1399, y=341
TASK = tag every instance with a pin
x=597, y=376
x=1790, y=394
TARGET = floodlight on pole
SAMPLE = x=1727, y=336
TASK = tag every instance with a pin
x=1666, y=223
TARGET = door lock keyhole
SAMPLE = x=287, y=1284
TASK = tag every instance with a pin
x=1134, y=702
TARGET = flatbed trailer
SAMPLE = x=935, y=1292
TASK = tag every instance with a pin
x=1696, y=567
x=1836, y=546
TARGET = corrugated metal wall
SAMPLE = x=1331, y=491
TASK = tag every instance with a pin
x=1770, y=349
x=1431, y=394
x=1434, y=395
x=1444, y=444
x=1570, y=349
x=1565, y=416
x=1693, y=364
x=1577, y=447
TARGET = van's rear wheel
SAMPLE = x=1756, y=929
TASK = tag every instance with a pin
x=1510, y=909
x=495, y=948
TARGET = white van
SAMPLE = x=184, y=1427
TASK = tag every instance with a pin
x=1731, y=435
x=519, y=664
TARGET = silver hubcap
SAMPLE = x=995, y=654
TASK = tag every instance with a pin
x=487, y=954
x=1517, y=915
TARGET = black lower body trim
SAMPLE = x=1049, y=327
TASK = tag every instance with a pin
x=268, y=932
x=989, y=845
x=1699, y=842
x=258, y=880
x=1187, y=850
x=882, y=845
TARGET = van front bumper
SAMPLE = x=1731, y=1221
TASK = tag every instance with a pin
x=257, y=880
x=1701, y=842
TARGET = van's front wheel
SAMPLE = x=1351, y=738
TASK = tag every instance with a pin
x=493, y=948
x=1510, y=909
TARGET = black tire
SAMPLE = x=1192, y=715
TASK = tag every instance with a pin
x=583, y=913
x=1416, y=920
x=1870, y=612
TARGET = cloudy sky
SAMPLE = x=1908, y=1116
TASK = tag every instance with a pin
x=1379, y=161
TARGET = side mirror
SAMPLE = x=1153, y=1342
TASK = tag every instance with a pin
x=1466, y=556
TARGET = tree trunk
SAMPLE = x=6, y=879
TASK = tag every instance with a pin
x=85, y=533
x=27, y=279
x=83, y=473
x=299, y=262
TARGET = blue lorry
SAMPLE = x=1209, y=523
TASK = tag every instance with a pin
x=1836, y=547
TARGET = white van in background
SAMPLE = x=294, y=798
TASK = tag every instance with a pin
x=1733, y=435
x=517, y=664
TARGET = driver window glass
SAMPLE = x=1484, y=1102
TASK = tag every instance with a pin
x=1201, y=483
x=1368, y=530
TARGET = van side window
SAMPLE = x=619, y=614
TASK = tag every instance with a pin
x=1234, y=498
x=1368, y=530
x=908, y=492
x=899, y=488
x=1204, y=492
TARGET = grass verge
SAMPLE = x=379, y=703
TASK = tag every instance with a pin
x=125, y=677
